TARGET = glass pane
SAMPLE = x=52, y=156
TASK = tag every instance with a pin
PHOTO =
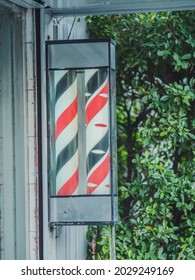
x=82, y=209
x=79, y=55
x=112, y=56
x=64, y=116
x=97, y=131
x=74, y=140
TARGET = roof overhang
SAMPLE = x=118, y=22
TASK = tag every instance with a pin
x=94, y=7
x=13, y=4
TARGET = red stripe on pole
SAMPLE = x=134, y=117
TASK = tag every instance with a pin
x=98, y=176
x=96, y=104
x=101, y=125
x=66, y=117
x=70, y=186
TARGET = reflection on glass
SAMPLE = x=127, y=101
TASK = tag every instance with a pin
x=97, y=133
x=67, y=152
x=66, y=132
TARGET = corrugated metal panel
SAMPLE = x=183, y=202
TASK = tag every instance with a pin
x=13, y=137
x=26, y=3
x=89, y=7
x=7, y=154
x=70, y=28
x=18, y=138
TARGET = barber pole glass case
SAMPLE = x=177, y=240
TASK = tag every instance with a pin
x=82, y=152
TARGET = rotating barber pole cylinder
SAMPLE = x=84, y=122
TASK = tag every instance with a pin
x=97, y=133
x=66, y=133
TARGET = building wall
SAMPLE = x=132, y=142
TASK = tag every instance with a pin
x=66, y=242
x=18, y=144
x=7, y=187
x=20, y=184
x=12, y=137
x=19, y=150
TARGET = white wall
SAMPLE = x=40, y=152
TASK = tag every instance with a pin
x=19, y=150
x=18, y=137
x=66, y=242
x=12, y=138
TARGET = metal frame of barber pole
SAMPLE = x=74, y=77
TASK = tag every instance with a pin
x=81, y=132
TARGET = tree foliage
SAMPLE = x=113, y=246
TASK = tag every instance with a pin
x=156, y=139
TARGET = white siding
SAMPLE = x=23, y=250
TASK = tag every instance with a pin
x=19, y=151
x=7, y=187
x=66, y=242
x=18, y=137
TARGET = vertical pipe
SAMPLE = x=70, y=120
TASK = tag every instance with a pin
x=39, y=21
x=112, y=243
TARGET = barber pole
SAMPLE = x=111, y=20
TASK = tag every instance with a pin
x=82, y=173
x=66, y=133
x=97, y=134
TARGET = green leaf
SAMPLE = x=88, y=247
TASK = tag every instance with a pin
x=164, y=98
x=186, y=56
x=163, y=133
x=191, y=136
x=173, y=236
x=176, y=57
x=155, y=113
